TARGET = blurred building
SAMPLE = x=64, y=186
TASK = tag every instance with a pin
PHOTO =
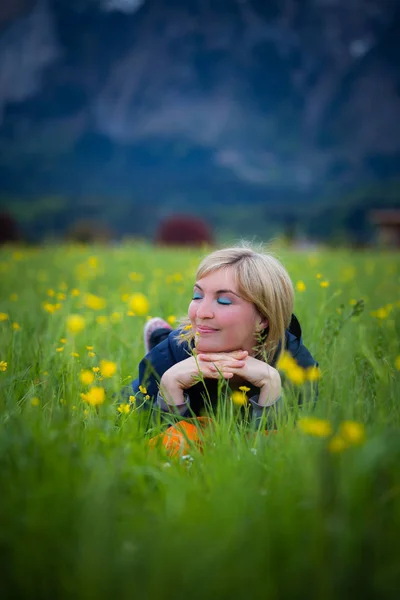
x=387, y=223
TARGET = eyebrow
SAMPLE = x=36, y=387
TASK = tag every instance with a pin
x=218, y=291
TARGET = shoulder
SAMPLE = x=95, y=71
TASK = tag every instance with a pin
x=295, y=346
x=168, y=352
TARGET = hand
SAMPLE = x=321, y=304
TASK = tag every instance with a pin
x=254, y=371
x=184, y=374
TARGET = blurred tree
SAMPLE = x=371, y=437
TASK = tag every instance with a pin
x=184, y=230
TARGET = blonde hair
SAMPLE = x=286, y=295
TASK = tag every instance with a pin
x=262, y=280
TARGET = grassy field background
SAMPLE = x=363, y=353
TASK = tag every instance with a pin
x=87, y=510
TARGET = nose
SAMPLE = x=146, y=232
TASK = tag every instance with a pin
x=204, y=310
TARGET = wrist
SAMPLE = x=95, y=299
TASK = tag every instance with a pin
x=270, y=391
x=170, y=391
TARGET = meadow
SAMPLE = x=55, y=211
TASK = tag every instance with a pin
x=89, y=510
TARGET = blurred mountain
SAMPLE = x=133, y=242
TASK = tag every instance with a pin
x=197, y=101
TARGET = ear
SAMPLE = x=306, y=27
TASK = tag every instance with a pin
x=262, y=323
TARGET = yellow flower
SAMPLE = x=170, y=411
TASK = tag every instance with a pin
x=300, y=286
x=380, y=313
x=3, y=316
x=63, y=340
x=397, y=362
x=187, y=327
x=142, y=389
x=244, y=388
x=296, y=374
x=74, y=354
x=102, y=320
x=132, y=399
x=324, y=284
x=94, y=302
x=352, y=432
x=3, y=365
x=313, y=373
x=91, y=354
x=315, y=427
x=239, y=398
x=95, y=369
x=319, y=276
x=16, y=326
x=95, y=396
x=35, y=401
x=108, y=368
x=130, y=313
x=75, y=292
x=75, y=323
x=139, y=304
x=60, y=349
x=115, y=317
x=61, y=296
x=337, y=444
x=86, y=377
x=353, y=302
x=124, y=408
x=89, y=347
x=136, y=276
x=50, y=293
x=50, y=308
x=125, y=297
x=93, y=262
x=171, y=319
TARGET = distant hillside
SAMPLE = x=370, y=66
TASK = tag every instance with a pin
x=174, y=101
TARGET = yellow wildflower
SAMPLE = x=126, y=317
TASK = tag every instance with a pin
x=380, y=313
x=315, y=427
x=95, y=396
x=86, y=377
x=108, y=368
x=60, y=349
x=89, y=347
x=397, y=362
x=93, y=262
x=61, y=296
x=63, y=340
x=3, y=316
x=139, y=304
x=50, y=308
x=130, y=313
x=187, y=327
x=239, y=398
x=286, y=361
x=50, y=293
x=171, y=319
x=124, y=408
x=75, y=323
x=132, y=399
x=74, y=354
x=125, y=297
x=244, y=388
x=91, y=354
x=3, y=365
x=319, y=276
x=313, y=373
x=324, y=284
x=95, y=369
x=352, y=432
x=300, y=286
x=94, y=302
x=102, y=320
x=337, y=444
x=353, y=302
x=136, y=276
x=142, y=389
x=35, y=401
x=16, y=326
x=75, y=292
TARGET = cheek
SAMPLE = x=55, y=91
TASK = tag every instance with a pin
x=191, y=311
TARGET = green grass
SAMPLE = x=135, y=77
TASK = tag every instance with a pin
x=88, y=511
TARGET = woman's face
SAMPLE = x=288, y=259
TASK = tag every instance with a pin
x=221, y=320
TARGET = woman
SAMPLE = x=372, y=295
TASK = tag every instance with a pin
x=239, y=319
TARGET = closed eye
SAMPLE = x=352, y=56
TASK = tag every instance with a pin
x=225, y=301
x=197, y=296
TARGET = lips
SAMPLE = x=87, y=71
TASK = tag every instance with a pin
x=203, y=329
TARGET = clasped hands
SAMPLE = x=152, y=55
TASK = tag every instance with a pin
x=213, y=365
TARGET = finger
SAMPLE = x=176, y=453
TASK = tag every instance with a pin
x=216, y=356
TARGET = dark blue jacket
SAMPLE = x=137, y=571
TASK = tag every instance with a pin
x=171, y=351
